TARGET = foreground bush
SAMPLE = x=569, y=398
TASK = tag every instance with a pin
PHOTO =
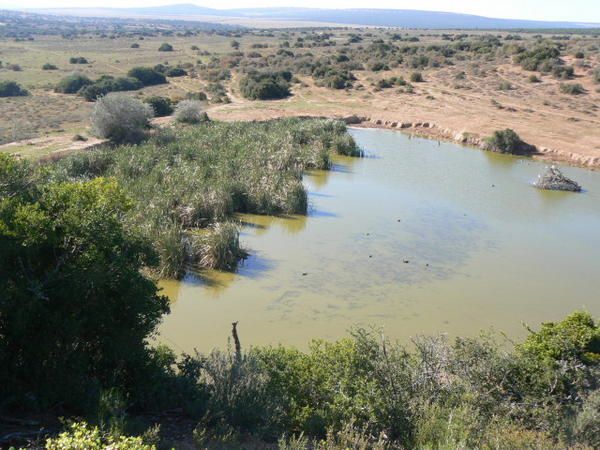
x=76, y=311
x=120, y=118
x=82, y=436
x=11, y=89
x=266, y=85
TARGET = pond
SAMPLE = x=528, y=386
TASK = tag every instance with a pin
x=419, y=237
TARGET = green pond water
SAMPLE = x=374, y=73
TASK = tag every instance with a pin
x=417, y=238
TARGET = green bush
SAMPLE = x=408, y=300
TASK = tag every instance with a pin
x=49, y=66
x=161, y=106
x=11, y=89
x=71, y=84
x=78, y=60
x=175, y=72
x=507, y=141
x=80, y=435
x=120, y=118
x=107, y=84
x=135, y=45
x=563, y=72
x=572, y=88
x=165, y=47
x=266, y=85
x=576, y=337
x=147, y=75
x=541, y=58
x=416, y=77
x=188, y=111
x=70, y=231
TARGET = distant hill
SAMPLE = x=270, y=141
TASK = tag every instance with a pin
x=370, y=17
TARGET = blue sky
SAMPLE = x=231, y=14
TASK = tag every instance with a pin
x=570, y=10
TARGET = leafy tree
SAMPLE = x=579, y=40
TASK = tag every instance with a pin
x=75, y=310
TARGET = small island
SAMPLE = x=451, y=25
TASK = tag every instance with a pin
x=554, y=180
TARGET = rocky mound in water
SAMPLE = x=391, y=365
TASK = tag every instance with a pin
x=554, y=180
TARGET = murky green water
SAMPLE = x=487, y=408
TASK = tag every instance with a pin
x=419, y=238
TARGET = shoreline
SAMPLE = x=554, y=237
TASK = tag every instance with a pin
x=430, y=130
x=424, y=129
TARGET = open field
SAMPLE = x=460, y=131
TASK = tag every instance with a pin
x=474, y=91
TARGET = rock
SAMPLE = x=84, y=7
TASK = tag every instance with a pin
x=554, y=180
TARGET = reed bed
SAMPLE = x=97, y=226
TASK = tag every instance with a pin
x=197, y=177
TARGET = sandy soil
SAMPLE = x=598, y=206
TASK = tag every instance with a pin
x=563, y=128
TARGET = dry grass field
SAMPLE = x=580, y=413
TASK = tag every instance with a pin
x=467, y=93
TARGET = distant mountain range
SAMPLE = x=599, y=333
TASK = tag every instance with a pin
x=369, y=17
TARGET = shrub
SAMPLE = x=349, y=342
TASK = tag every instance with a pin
x=11, y=89
x=534, y=79
x=49, y=66
x=161, y=106
x=587, y=426
x=175, y=72
x=107, y=84
x=188, y=111
x=572, y=88
x=135, y=45
x=507, y=141
x=575, y=337
x=541, y=58
x=165, y=47
x=416, y=77
x=201, y=96
x=80, y=435
x=579, y=55
x=596, y=75
x=107, y=310
x=563, y=72
x=147, y=76
x=120, y=118
x=266, y=85
x=71, y=84
x=78, y=60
